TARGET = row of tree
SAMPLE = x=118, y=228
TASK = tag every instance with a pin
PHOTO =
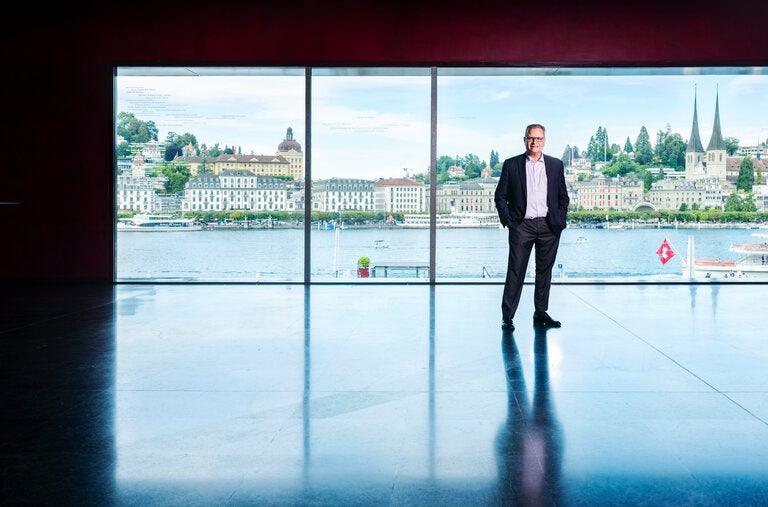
x=668, y=216
x=135, y=131
x=669, y=150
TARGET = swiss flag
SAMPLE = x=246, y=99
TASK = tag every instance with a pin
x=665, y=252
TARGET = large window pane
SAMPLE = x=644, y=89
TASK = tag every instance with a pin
x=370, y=167
x=651, y=155
x=640, y=146
x=210, y=171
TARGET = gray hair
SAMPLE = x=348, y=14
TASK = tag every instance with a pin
x=534, y=126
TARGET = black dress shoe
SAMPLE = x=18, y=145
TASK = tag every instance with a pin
x=544, y=320
x=507, y=325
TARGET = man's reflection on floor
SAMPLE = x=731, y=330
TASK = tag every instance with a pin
x=528, y=445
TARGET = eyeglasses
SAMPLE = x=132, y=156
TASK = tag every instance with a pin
x=534, y=139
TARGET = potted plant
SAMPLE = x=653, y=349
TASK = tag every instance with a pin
x=363, y=264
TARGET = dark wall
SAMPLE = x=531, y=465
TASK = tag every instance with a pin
x=58, y=83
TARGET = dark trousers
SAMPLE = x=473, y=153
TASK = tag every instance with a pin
x=522, y=239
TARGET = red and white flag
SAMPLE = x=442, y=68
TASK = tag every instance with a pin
x=665, y=252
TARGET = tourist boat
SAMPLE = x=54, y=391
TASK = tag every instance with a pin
x=380, y=243
x=752, y=263
x=157, y=223
x=452, y=220
x=581, y=240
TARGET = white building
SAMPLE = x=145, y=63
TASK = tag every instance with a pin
x=760, y=151
x=295, y=196
x=399, y=195
x=761, y=197
x=340, y=194
x=470, y=196
x=136, y=194
x=202, y=193
x=456, y=171
x=152, y=150
x=271, y=194
x=670, y=195
x=622, y=194
x=135, y=191
x=233, y=190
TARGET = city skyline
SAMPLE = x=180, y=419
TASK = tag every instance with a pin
x=378, y=126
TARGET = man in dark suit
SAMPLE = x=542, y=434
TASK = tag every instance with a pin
x=532, y=201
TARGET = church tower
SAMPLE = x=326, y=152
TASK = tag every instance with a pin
x=695, y=167
x=716, y=152
x=711, y=163
x=291, y=150
x=137, y=166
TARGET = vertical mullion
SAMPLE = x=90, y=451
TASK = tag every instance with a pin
x=433, y=175
x=307, y=174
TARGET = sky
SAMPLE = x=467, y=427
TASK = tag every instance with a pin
x=379, y=126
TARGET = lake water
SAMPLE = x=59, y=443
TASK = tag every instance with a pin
x=246, y=255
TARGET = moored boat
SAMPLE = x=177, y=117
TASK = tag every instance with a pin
x=452, y=220
x=752, y=263
x=157, y=223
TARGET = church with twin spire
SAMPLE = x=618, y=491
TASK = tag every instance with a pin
x=709, y=163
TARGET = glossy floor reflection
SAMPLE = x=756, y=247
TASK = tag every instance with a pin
x=383, y=395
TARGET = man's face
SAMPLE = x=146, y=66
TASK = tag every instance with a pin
x=534, y=143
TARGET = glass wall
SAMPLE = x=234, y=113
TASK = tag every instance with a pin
x=665, y=169
x=370, y=167
x=652, y=158
x=209, y=174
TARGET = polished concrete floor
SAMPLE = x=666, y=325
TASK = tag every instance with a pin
x=383, y=395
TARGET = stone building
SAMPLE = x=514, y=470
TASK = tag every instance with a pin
x=399, y=195
x=234, y=190
x=622, y=194
x=470, y=196
x=340, y=194
x=672, y=194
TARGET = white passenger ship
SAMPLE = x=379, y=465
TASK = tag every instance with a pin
x=157, y=223
x=753, y=262
x=452, y=220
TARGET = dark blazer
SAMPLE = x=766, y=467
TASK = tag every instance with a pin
x=511, y=194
